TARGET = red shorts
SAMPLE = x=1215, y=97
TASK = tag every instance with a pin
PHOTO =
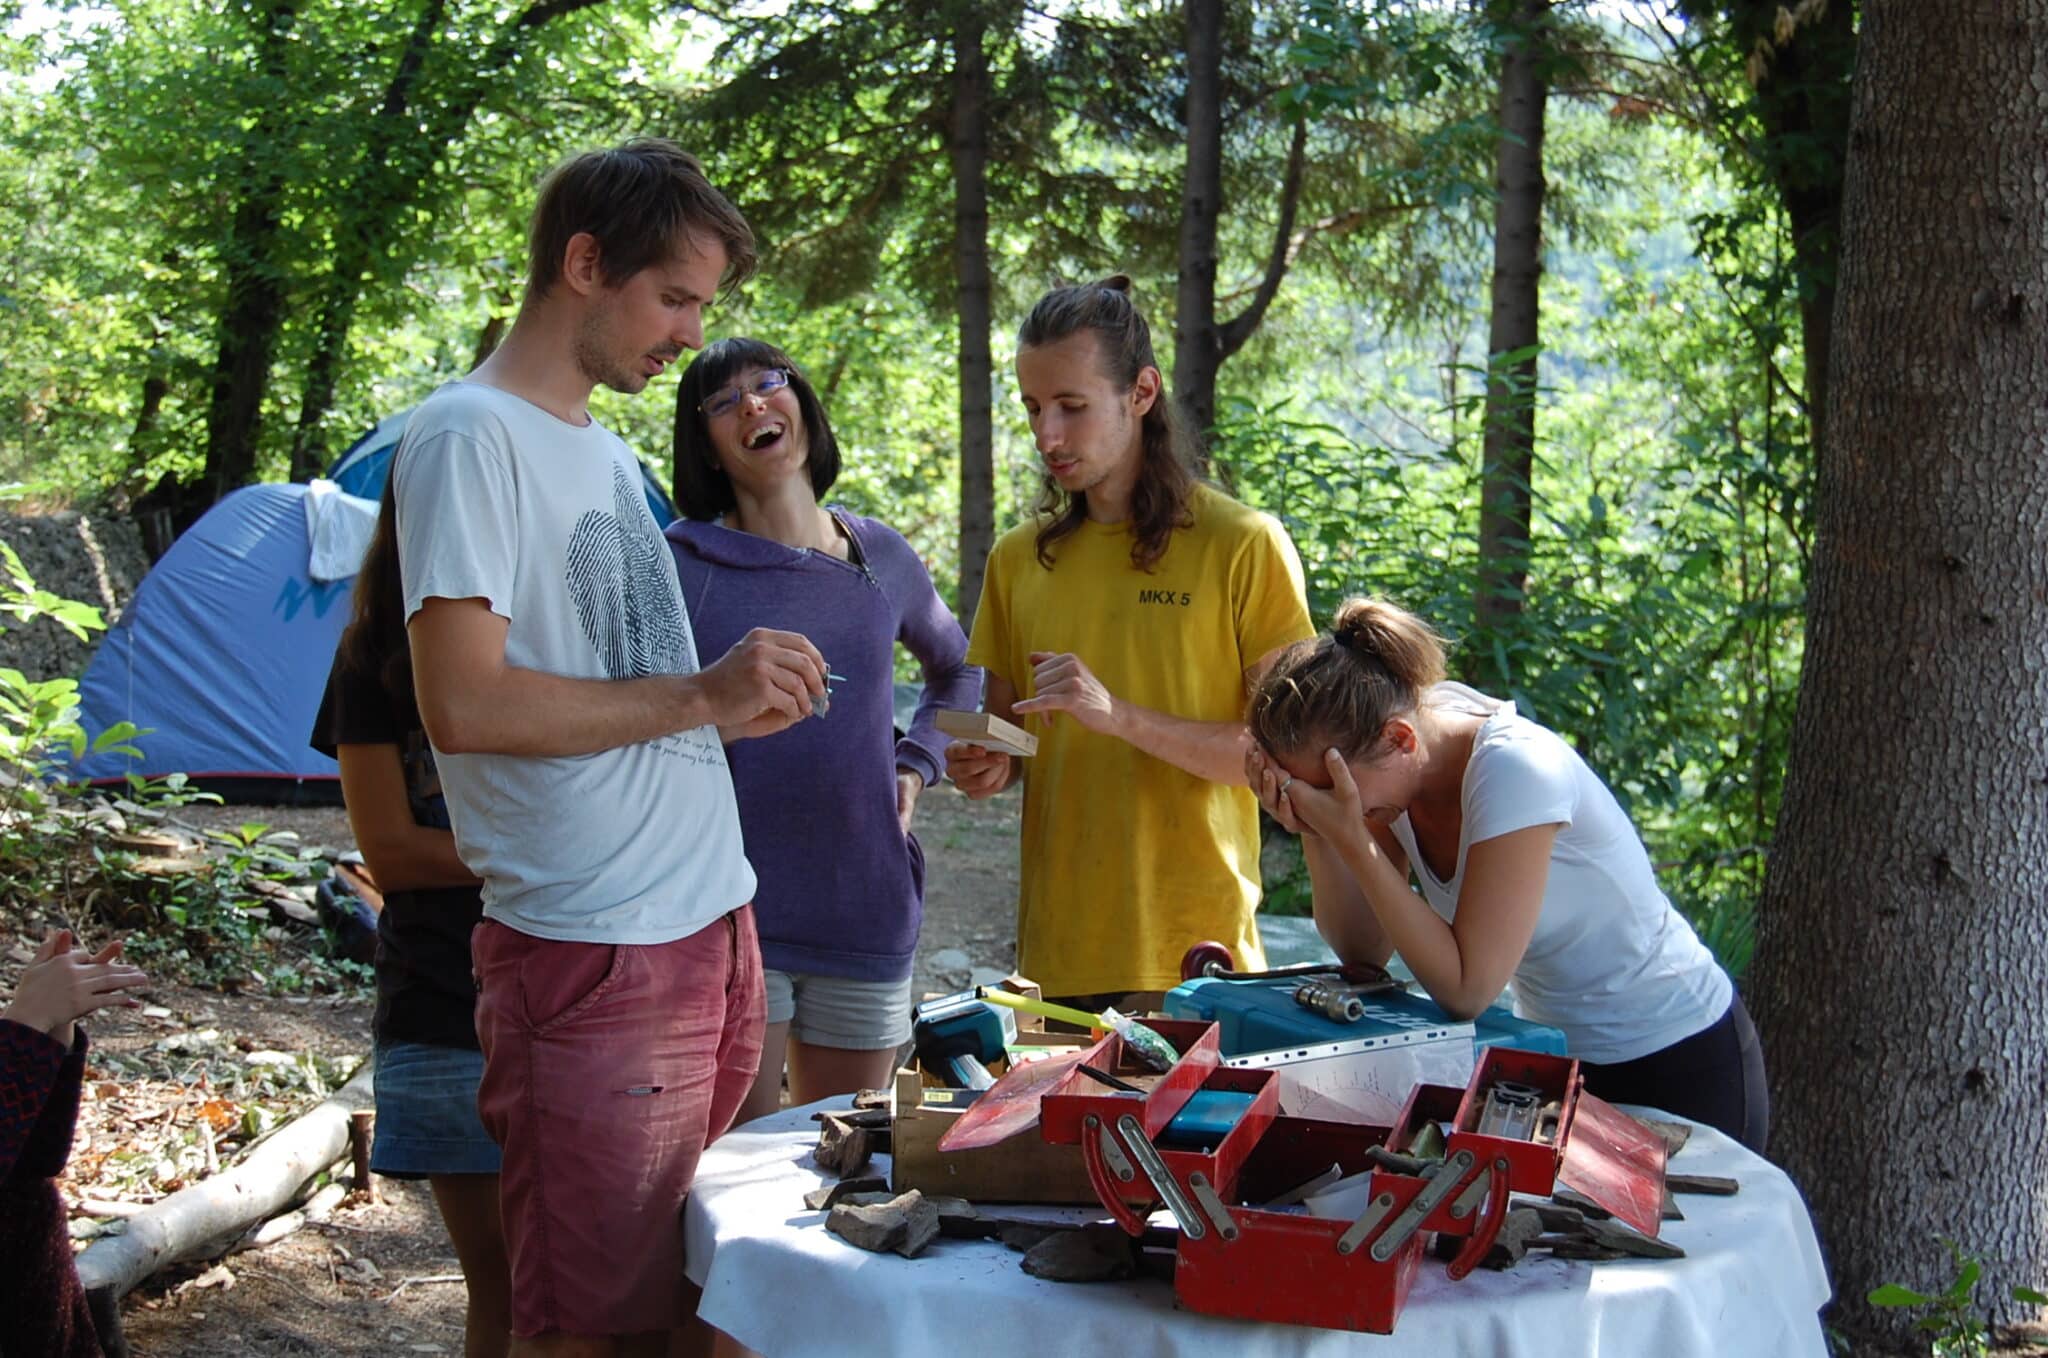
x=607, y=1069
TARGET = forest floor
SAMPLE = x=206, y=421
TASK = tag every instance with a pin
x=381, y=1278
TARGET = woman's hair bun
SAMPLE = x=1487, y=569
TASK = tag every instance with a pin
x=1408, y=647
x=1116, y=282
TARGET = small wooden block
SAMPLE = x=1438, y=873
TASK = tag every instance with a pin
x=989, y=732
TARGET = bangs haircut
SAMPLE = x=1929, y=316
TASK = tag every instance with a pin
x=645, y=202
x=702, y=490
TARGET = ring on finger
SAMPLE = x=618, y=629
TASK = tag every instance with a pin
x=1281, y=791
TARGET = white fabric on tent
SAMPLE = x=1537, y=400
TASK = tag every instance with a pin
x=339, y=526
x=776, y=1280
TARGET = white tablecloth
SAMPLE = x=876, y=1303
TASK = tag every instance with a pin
x=775, y=1279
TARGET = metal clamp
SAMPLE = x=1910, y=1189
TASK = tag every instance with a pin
x=1213, y=1204
x=1457, y=1171
x=1147, y=1155
x=1376, y=1211
x=1468, y=1202
x=1112, y=1154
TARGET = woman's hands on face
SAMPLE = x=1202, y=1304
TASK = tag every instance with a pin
x=1334, y=813
x=1269, y=783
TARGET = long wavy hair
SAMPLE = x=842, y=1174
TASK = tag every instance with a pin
x=1161, y=501
x=374, y=645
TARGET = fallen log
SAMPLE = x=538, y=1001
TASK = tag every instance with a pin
x=213, y=1213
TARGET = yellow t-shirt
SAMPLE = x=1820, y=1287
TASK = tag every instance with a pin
x=1126, y=860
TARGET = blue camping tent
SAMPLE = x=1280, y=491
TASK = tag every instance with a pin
x=363, y=469
x=222, y=654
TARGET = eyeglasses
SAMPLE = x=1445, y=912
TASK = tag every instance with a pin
x=726, y=399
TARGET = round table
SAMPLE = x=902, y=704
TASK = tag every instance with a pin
x=776, y=1280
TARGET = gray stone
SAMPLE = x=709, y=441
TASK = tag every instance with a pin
x=949, y=959
x=843, y=1149
x=875, y=1228
x=1022, y=1235
x=1674, y=1135
x=830, y=1195
x=1094, y=1253
x=905, y=1224
x=1613, y=1235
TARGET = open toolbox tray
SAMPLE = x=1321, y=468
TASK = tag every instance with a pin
x=1236, y=1256
x=1119, y=1131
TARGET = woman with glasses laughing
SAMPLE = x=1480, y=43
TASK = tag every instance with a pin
x=825, y=806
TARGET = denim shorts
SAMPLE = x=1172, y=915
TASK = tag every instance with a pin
x=427, y=1121
x=836, y=1011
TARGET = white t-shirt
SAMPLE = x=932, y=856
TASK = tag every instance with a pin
x=499, y=500
x=1611, y=964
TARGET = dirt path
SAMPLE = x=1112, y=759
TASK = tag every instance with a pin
x=313, y=1292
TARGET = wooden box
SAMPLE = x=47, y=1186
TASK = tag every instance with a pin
x=1021, y=1169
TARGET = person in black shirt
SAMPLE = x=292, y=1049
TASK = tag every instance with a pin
x=427, y=1054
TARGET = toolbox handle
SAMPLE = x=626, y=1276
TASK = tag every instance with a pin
x=1491, y=1218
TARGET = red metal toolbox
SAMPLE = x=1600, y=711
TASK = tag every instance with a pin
x=1240, y=1254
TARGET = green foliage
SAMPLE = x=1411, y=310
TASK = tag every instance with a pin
x=39, y=728
x=1953, y=1323
x=205, y=918
x=1661, y=628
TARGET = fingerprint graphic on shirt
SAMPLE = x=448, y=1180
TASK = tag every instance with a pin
x=622, y=583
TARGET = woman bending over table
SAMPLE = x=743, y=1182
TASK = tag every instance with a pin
x=1529, y=869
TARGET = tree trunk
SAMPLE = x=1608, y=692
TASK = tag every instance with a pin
x=254, y=312
x=207, y=1216
x=1799, y=59
x=381, y=179
x=1902, y=952
x=1197, y=352
x=1507, y=459
x=971, y=272
x=403, y=143
x=1802, y=99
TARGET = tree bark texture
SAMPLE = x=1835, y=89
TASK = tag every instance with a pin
x=971, y=275
x=1801, y=97
x=1507, y=458
x=1197, y=351
x=410, y=131
x=254, y=311
x=1901, y=974
x=381, y=178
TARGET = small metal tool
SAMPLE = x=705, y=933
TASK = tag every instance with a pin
x=1510, y=1111
x=1334, y=1001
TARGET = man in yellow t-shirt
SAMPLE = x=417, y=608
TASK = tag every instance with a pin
x=1123, y=625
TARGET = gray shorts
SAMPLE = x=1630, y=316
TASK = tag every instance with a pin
x=834, y=1011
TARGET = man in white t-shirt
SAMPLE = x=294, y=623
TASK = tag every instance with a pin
x=579, y=747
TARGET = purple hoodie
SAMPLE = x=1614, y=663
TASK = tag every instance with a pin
x=841, y=886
